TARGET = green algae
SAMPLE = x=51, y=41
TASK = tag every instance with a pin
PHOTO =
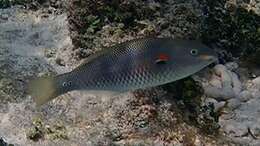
x=35, y=4
x=40, y=130
x=91, y=21
x=9, y=3
x=188, y=94
x=232, y=27
x=37, y=131
x=57, y=131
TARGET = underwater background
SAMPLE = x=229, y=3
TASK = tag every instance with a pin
x=217, y=106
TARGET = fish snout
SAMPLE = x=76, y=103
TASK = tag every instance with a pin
x=210, y=58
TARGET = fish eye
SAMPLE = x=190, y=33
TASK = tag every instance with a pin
x=194, y=52
x=64, y=84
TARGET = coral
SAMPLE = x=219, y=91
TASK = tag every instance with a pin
x=37, y=132
x=177, y=117
x=8, y=84
x=252, y=60
x=57, y=5
x=232, y=26
x=3, y=143
x=187, y=92
x=98, y=24
x=57, y=131
x=229, y=84
x=189, y=99
x=207, y=119
x=86, y=18
x=8, y=3
x=40, y=131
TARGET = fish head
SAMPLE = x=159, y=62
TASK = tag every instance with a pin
x=185, y=57
x=194, y=52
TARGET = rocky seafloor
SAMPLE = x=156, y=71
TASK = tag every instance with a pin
x=44, y=41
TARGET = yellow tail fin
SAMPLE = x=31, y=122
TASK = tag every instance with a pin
x=43, y=90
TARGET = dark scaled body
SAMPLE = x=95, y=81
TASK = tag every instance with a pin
x=135, y=64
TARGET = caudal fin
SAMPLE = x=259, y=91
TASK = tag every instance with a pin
x=43, y=90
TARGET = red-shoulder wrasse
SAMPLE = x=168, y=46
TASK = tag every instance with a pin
x=128, y=66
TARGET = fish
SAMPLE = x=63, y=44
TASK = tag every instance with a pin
x=131, y=65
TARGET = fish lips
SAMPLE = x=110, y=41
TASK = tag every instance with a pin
x=209, y=58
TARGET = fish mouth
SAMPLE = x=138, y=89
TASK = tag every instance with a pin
x=210, y=58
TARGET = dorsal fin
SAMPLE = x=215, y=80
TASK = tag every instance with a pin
x=92, y=57
x=116, y=47
x=105, y=50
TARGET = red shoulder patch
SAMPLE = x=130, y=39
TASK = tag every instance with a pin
x=162, y=58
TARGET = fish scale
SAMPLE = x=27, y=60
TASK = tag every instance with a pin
x=144, y=76
x=131, y=65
